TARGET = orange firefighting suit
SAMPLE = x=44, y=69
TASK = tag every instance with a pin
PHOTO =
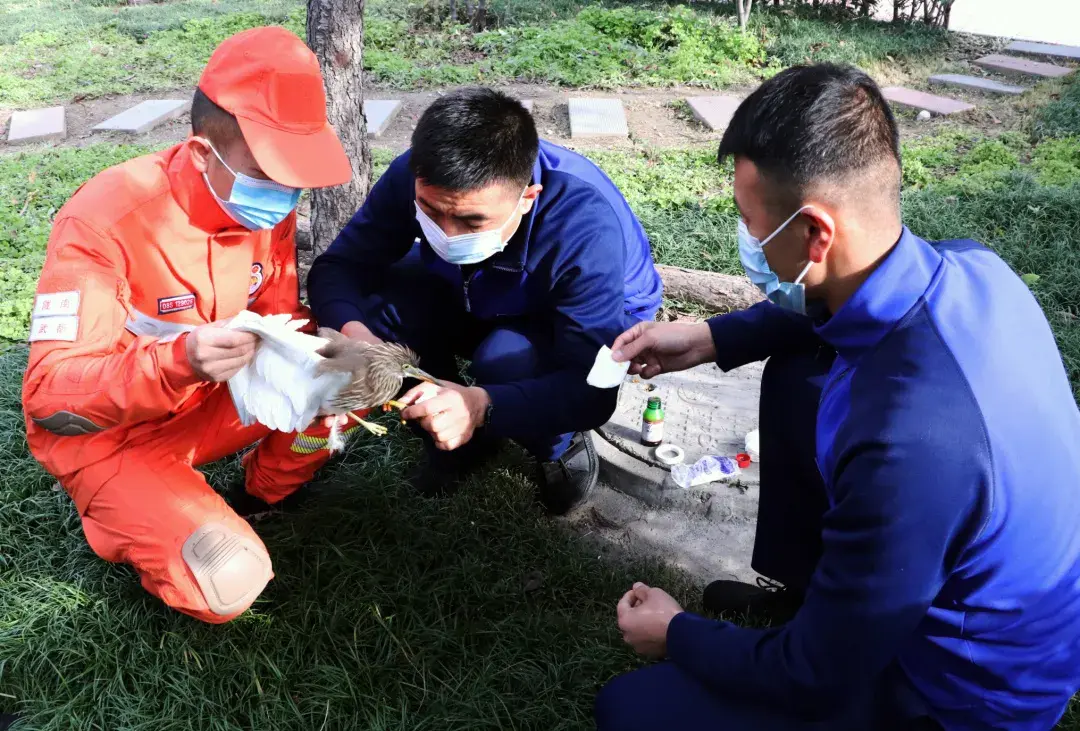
x=141, y=254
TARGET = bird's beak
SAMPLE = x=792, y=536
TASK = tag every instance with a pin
x=413, y=372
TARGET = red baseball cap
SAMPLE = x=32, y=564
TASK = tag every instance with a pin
x=270, y=81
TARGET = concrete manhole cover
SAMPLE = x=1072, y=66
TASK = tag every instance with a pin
x=706, y=410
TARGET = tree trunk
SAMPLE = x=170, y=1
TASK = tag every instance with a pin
x=480, y=19
x=335, y=30
x=744, y=7
x=453, y=12
x=719, y=293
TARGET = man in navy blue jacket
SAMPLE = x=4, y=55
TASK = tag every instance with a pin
x=484, y=242
x=920, y=470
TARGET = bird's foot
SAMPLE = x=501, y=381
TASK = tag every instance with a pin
x=376, y=429
x=396, y=405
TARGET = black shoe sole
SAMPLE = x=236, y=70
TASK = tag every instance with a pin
x=557, y=507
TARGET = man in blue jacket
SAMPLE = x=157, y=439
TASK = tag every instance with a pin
x=520, y=256
x=920, y=483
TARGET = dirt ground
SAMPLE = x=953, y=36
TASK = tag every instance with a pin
x=657, y=118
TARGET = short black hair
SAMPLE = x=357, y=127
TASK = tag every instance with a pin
x=211, y=121
x=472, y=138
x=817, y=124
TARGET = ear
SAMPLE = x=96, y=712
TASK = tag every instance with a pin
x=200, y=153
x=820, y=232
x=529, y=198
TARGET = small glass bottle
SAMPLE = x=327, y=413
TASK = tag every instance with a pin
x=652, y=423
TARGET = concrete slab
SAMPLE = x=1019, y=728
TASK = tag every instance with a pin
x=597, y=118
x=707, y=412
x=977, y=83
x=713, y=111
x=1022, y=66
x=145, y=116
x=37, y=125
x=913, y=99
x=1044, y=49
x=379, y=113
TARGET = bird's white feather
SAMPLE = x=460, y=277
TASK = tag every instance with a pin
x=280, y=388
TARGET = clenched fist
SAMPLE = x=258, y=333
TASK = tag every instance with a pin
x=216, y=354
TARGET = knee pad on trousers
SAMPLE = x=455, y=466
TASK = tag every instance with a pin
x=230, y=569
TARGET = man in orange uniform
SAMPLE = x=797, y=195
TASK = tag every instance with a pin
x=124, y=395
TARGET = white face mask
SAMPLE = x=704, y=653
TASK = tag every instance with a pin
x=470, y=248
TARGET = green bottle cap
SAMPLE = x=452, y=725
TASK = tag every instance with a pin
x=654, y=402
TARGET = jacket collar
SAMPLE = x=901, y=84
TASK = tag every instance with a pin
x=887, y=295
x=514, y=256
x=191, y=194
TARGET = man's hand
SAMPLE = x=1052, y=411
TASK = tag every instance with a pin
x=357, y=330
x=216, y=353
x=450, y=413
x=644, y=616
x=663, y=347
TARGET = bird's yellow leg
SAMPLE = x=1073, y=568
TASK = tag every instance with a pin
x=395, y=404
x=376, y=429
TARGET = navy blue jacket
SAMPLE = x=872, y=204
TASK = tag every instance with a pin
x=949, y=442
x=579, y=260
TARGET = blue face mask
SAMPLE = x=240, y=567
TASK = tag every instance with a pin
x=470, y=248
x=789, y=295
x=255, y=204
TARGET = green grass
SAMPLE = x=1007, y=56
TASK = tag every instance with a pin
x=1061, y=118
x=33, y=187
x=57, y=50
x=388, y=611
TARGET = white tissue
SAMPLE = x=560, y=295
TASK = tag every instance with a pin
x=606, y=373
x=753, y=445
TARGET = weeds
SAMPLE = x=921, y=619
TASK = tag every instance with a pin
x=53, y=50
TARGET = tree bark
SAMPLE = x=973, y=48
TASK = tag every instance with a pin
x=720, y=293
x=480, y=19
x=744, y=7
x=335, y=30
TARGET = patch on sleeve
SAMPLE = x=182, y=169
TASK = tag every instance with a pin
x=179, y=303
x=58, y=303
x=55, y=317
x=64, y=327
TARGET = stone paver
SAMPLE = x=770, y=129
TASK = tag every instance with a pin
x=379, y=113
x=597, y=118
x=977, y=83
x=37, y=125
x=706, y=412
x=145, y=116
x=1014, y=65
x=914, y=99
x=713, y=111
x=1044, y=49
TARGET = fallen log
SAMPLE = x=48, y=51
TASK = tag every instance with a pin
x=720, y=293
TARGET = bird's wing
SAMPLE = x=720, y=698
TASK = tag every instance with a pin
x=280, y=388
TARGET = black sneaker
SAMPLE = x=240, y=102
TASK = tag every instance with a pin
x=442, y=472
x=767, y=598
x=7, y=719
x=568, y=480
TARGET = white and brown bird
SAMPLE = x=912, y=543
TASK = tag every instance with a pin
x=294, y=377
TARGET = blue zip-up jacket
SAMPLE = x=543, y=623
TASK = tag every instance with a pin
x=949, y=443
x=579, y=260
